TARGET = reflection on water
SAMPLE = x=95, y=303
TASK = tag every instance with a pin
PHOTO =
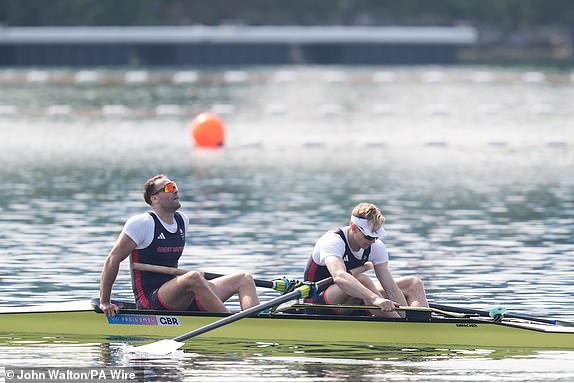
x=247, y=361
x=473, y=175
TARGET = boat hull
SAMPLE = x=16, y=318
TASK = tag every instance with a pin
x=86, y=323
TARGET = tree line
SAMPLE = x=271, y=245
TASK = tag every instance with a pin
x=505, y=15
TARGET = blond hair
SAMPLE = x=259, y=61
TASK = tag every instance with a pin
x=371, y=213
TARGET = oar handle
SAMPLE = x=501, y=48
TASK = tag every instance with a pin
x=146, y=267
x=280, y=284
x=158, y=269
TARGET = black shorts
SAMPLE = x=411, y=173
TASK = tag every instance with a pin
x=320, y=299
x=156, y=304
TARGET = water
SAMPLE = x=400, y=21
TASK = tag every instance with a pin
x=472, y=168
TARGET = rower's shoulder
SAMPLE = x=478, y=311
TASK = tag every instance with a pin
x=183, y=215
x=141, y=217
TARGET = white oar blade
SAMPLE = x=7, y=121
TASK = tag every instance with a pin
x=162, y=347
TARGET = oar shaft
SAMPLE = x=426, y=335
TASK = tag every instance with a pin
x=146, y=267
x=263, y=306
x=235, y=317
x=506, y=315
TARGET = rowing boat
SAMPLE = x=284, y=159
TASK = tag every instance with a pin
x=83, y=319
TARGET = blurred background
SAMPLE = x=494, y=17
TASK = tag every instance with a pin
x=506, y=31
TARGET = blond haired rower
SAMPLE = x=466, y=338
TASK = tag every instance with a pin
x=158, y=237
x=338, y=251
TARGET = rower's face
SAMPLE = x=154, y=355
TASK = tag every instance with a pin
x=363, y=240
x=167, y=193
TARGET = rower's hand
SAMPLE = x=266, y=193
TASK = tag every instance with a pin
x=109, y=309
x=385, y=304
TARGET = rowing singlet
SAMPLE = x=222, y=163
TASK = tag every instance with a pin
x=315, y=272
x=165, y=250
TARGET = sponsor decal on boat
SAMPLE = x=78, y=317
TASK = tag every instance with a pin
x=466, y=325
x=145, y=320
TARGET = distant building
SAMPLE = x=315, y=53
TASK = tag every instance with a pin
x=230, y=45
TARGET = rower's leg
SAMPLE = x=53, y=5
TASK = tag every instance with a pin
x=178, y=293
x=238, y=283
x=414, y=290
x=375, y=287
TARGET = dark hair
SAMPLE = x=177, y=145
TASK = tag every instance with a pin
x=149, y=188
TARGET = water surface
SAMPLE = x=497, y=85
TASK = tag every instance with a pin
x=472, y=168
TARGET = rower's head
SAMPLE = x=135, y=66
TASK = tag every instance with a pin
x=367, y=223
x=161, y=192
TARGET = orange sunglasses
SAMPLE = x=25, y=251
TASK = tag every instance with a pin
x=168, y=188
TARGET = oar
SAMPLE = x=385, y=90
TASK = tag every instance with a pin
x=506, y=315
x=369, y=307
x=165, y=346
x=176, y=271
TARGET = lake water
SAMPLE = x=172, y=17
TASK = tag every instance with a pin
x=472, y=168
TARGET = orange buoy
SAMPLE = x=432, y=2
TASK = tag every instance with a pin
x=208, y=130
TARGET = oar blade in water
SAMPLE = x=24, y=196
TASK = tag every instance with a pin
x=161, y=347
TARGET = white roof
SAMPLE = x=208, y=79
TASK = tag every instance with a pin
x=459, y=35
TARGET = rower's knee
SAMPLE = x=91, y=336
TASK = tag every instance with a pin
x=194, y=280
x=415, y=284
x=245, y=279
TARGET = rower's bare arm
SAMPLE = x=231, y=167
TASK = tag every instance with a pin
x=392, y=290
x=347, y=282
x=122, y=249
